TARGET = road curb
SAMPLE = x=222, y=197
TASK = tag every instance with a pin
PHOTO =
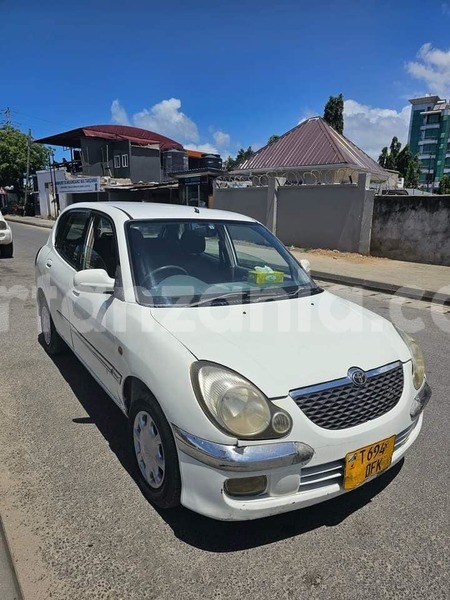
x=48, y=225
x=18, y=592
x=386, y=288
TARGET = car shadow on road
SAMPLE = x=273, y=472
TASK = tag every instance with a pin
x=192, y=528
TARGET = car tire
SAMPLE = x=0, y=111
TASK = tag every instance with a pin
x=50, y=338
x=7, y=250
x=154, y=452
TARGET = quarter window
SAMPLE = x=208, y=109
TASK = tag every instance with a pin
x=101, y=247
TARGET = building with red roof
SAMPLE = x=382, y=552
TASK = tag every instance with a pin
x=318, y=151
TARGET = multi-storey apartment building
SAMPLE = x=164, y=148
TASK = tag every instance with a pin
x=429, y=132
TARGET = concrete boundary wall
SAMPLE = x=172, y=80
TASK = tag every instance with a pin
x=414, y=228
x=308, y=216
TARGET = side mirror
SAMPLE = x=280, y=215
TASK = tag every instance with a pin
x=93, y=280
x=306, y=265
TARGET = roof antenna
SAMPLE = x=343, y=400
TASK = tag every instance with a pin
x=196, y=210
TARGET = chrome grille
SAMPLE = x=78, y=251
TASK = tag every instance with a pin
x=403, y=436
x=340, y=404
x=313, y=478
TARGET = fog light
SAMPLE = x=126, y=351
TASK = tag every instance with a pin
x=281, y=422
x=420, y=401
x=246, y=486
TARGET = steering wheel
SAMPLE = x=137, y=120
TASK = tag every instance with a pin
x=150, y=277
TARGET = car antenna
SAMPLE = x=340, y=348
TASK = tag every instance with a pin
x=196, y=210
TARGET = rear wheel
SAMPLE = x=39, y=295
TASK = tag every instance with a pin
x=51, y=340
x=155, y=453
x=7, y=250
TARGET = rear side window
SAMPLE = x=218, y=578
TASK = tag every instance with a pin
x=71, y=236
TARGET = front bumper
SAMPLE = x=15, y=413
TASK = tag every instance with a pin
x=5, y=236
x=294, y=480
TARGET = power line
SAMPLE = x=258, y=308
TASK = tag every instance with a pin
x=6, y=122
x=19, y=112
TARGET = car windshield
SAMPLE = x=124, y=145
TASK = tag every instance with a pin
x=201, y=263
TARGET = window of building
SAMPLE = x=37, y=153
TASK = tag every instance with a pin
x=430, y=133
x=433, y=119
x=117, y=161
x=124, y=160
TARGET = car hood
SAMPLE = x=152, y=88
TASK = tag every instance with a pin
x=284, y=345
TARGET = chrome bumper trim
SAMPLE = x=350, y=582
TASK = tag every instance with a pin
x=243, y=458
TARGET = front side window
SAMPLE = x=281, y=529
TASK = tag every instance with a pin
x=100, y=250
x=71, y=236
x=196, y=263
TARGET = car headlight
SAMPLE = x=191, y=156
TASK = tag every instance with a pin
x=3, y=225
x=418, y=362
x=236, y=405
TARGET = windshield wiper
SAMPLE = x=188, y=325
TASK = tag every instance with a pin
x=215, y=301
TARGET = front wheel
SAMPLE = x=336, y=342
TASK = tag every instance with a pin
x=7, y=250
x=51, y=340
x=155, y=453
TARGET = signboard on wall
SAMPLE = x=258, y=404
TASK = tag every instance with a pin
x=79, y=185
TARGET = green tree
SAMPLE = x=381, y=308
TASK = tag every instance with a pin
x=413, y=173
x=403, y=160
x=384, y=157
x=233, y=163
x=444, y=185
x=13, y=157
x=272, y=139
x=333, y=113
x=395, y=158
x=393, y=154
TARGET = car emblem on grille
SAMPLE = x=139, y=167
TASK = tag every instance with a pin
x=357, y=375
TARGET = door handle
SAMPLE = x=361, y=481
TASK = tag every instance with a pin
x=75, y=293
x=48, y=264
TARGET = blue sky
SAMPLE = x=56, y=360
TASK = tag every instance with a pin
x=218, y=76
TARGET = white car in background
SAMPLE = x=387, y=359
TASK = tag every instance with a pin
x=249, y=390
x=6, y=241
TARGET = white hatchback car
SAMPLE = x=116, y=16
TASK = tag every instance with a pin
x=6, y=240
x=249, y=390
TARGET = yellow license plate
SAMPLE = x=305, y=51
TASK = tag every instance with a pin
x=366, y=462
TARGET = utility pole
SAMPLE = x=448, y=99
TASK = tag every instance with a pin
x=27, y=178
x=7, y=112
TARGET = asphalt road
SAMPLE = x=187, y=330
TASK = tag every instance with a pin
x=80, y=529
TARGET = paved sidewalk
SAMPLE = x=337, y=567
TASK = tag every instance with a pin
x=412, y=280
x=36, y=221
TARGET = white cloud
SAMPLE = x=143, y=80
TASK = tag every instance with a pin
x=372, y=128
x=221, y=138
x=207, y=148
x=432, y=67
x=165, y=118
x=119, y=114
